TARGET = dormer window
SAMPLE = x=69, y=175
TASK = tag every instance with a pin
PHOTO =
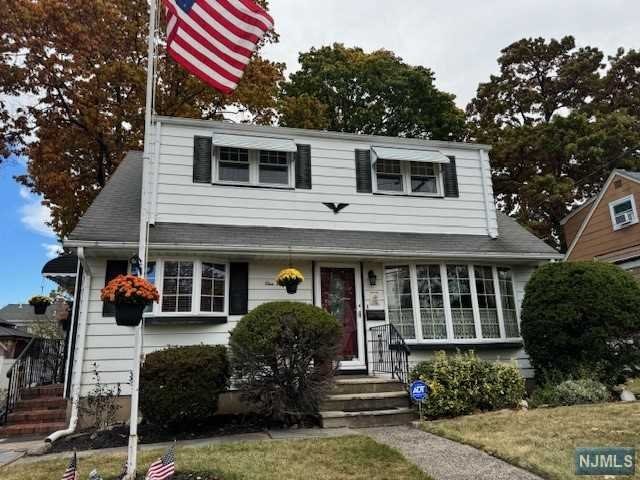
x=274, y=167
x=233, y=165
x=623, y=212
x=253, y=167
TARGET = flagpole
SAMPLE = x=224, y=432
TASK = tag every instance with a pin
x=132, y=455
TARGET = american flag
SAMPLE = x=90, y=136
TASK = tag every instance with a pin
x=71, y=473
x=164, y=467
x=214, y=39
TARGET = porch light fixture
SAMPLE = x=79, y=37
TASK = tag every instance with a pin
x=372, y=278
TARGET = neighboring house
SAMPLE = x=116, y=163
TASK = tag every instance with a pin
x=12, y=343
x=606, y=227
x=24, y=317
x=384, y=230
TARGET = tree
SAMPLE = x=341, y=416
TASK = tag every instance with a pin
x=555, y=131
x=372, y=93
x=582, y=318
x=85, y=64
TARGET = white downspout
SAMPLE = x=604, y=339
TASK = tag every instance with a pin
x=489, y=205
x=82, y=334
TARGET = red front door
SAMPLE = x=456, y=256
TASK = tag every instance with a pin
x=338, y=297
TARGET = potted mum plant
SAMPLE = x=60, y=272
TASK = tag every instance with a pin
x=290, y=278
x=130, y=295
x=39, y=303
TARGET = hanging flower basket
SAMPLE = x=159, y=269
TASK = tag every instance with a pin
x=130, y=295
x=290, y=278
x=39, y=304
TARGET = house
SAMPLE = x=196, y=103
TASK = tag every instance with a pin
x=12, y=342
x=606, y=226
x=385, y=230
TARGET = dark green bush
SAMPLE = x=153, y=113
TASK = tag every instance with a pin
x=582, y=317
x=462, y=383
x=180, y=386
x=570, y=392
x=282, y=355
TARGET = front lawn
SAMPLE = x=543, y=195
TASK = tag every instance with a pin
x=352, y=457
x=543, y=440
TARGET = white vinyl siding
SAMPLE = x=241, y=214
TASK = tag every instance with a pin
x=178, y=199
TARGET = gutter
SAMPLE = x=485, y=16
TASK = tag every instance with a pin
x=77, y=373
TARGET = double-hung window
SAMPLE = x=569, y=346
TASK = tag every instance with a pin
x=451, y=302
x=623, y=212
x=254, y=167
x=418, y=178
x=190, y=287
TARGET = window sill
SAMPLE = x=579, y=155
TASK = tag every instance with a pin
x=622, y=227
x=160, y=320
x=417, y=195
x=250, y=185
x=473, y=345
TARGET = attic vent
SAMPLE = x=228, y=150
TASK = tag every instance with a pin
x=617, y=183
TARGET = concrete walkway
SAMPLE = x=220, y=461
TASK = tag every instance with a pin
x=443, y=459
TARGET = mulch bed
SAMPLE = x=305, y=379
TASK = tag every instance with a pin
x=118, y=435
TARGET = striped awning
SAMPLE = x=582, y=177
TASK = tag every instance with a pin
x=254, y=142
x=410, y=155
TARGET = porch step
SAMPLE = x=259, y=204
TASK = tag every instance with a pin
x=31, y=428
x=355, y=385
x=55, y=390
x=37, y=416
x=368, y=418
x=41, y=403
x=355, y=402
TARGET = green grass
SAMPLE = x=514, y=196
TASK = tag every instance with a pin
x=543, y=440
x=352, y=457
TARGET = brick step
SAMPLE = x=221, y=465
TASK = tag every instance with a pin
x=350, y=385
x=37, y=416
x=31, y=428
x=371, y=418
x=56, y=390
x=354, y=402
x=41, y=403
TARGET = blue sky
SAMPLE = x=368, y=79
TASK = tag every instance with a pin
x=27, y=243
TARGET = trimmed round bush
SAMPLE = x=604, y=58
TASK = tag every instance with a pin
x=180, y=386
x=283, y=354
x=571, y=392
x=463, y=383
x=582, y=319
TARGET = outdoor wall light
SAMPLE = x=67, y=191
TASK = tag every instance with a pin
x=136, y=265
x=372, y=278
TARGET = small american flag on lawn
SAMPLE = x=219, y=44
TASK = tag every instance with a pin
x=164, y=467
x=214, y=39
x=71, y=473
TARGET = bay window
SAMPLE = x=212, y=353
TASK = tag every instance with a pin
x=189, y=287
x=455, y=302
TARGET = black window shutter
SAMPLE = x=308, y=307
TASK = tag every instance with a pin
x=202, y=147
x=303, y=167
x=114, y=268
x=238, y=288
x=450, y=177
x=363, y=171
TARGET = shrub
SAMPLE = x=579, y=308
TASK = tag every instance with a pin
x=180, y=386
x=571, y=392
x=102, y=403
x=463, y=383
x=282, y=354
x=582, y=317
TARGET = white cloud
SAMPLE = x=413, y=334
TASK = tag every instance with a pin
x=35, y=216
x=25, y=193
x=52, y=249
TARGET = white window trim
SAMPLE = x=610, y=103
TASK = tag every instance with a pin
x=254, y=171
x=419, y=340
x=195, y=292
x=615, y=203
x=405, y=171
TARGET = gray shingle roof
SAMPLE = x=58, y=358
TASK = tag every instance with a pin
x=7, y=330
x=114, y=217
x=22, y=313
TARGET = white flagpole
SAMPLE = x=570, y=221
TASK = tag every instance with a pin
x=132, y=456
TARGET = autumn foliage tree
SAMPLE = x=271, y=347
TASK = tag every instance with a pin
x=559, y=122
x=84, y=65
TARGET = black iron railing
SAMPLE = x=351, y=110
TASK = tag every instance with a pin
x=389, y=352
x=40, y=363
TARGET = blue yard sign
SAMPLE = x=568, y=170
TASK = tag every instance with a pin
x=419, y=391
